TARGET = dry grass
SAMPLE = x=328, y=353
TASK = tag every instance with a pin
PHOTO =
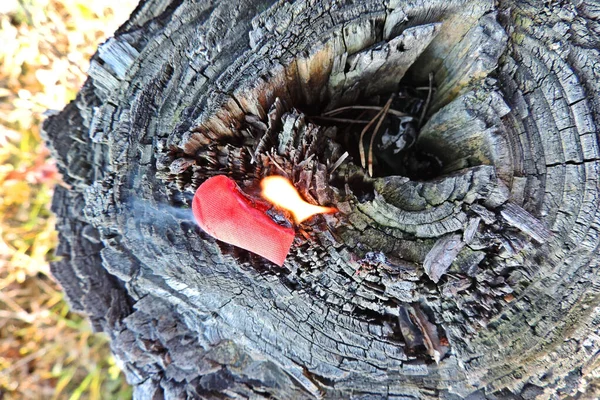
x=46, y=352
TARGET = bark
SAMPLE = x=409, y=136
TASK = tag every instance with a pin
x=467, y=266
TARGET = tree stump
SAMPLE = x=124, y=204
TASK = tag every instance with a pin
x=463, y=261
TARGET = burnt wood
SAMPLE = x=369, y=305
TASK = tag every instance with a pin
x=465, y=265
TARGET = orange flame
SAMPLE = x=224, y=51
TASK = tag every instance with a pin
x=279, y=191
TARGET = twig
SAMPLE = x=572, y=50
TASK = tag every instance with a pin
x=338, y=162
x=371, y=142
x=426, y=106
x=306, y=161
x=277, y=165
x=251, y=152
x=375, y=108
x=348, y=120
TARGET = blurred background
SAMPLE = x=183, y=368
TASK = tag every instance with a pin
x=46, y=352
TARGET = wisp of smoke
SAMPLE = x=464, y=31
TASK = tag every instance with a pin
x=147, y=212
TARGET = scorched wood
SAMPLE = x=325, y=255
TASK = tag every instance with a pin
x=458, y=141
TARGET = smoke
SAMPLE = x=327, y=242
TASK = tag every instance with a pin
x=149, y=213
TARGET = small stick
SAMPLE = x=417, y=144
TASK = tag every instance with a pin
x=306, y=161
x=375, y=108
x=277, y=165
x=305, y=234
x=251, y=152
x=426, y=106
x=350, y=121
x=338, y=162
x=383, y=114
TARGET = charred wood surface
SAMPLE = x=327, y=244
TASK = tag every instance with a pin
x=463, y=260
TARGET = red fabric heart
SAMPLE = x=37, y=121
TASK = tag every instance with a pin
x=225, y=213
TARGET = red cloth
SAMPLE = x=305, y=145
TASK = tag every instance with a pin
x=225, y=214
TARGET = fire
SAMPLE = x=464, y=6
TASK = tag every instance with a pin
x=279, y=191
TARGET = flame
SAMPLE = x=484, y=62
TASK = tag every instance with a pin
x=279, y=191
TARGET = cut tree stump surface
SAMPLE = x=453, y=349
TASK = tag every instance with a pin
x=465, y=266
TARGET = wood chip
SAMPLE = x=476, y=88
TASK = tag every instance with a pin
x=471, y=230
x=441, y=255
x=430, y=335
x=525, y=222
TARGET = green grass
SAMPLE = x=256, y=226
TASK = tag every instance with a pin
x=46, y=352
